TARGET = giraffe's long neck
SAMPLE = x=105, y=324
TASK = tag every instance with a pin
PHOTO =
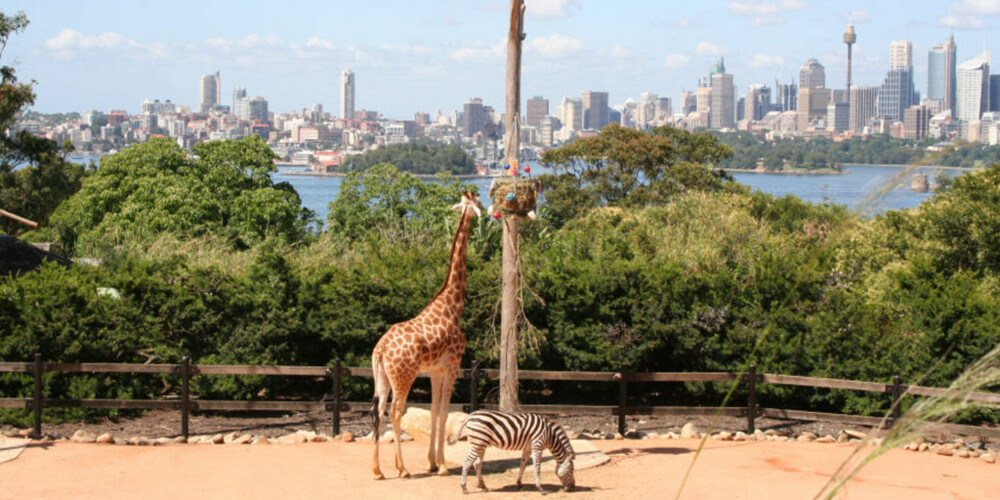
x=452, y=294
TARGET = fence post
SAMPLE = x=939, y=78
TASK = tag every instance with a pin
x=896, y=390
x=185, y=394
x=474, y=387
x=751, y=397
x=622, y=399
x=336, y=396
x=37, y=402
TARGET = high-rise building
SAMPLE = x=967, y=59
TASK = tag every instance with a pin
x=788, y=95
x=596, y=114
x=689, y=103
x=812, y=108
x=973, y=88
x=757, y=102
x=238, y=93
x=915, y=122
x=896, y=94
x=474, y=117
x=941, y=64
x=211, y=92
x=863, y=108
x=812, y=75
x=572, y=114
x=838, y=116
x=901, y=55
x=647, y=110
x=257, y=109
x=722, y=113
x=994, y=92
x=535, y=109
x=347, y=92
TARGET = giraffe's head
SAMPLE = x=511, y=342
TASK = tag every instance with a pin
x=470, y=200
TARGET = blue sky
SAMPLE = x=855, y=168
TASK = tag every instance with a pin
x=429, y=55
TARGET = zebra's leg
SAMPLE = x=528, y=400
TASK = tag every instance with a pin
x=479, y=472
x=536, y=459
x=524, y=463
x=470, y=459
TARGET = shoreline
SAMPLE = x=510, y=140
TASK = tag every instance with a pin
x=309, y=173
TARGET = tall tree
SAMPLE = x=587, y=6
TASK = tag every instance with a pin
x=34, y=176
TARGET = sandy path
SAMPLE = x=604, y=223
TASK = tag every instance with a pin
x=639, y=469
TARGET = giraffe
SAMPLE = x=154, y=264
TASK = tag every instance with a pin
x=430, y=342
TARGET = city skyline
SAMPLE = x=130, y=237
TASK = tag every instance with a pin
x=436, y=56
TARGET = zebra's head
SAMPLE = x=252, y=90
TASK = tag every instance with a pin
x=565, y=472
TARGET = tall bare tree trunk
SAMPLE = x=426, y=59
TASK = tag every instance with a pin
x=511, y=263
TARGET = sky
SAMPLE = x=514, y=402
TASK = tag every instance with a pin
x=429, y=55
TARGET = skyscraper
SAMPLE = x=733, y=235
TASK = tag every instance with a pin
x=211, y=92
x=994, y=92
x=238, y=93
x=812, y=75
x=347, y=94
x=572, y=113
x=788, y=95
x=812, y=106
x=758, y=102
x=474, y=117
x=901, y=55
x=257, y=109
x=973, y=88
x=596, y=114
x=863, y=101
x=722, y=112
x=647, y=110
x=689, y=103
x=535, y=109
x=941, y=63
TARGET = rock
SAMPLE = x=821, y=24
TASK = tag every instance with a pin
x=218, y=439
x=452, y=426
x=228, y=438
x=261, y=440
x=826, y=439
x=672, y=435
x=121, y=441
x=855, y=434
x=652, y=435
x=923, y=447
x=759, y=435
x=975, y=453
x=347, y=437
x=962, y=453
x=292, y=438
x=105, y=439
x=23, y=433
x=634, y=434
x=388, y=437
x=946, y=450
x=319, y=438
x=241, y=439
x=140, y=441
x=807, y=437
x=988, y=458
x=771, y=432
x=689, y=430
x=309, y=435
x=782, y=438
x=83, y=436
x=618, y=436
x=723, y=436
x=417, y=423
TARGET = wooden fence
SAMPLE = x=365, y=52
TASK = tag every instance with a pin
x=334, y=402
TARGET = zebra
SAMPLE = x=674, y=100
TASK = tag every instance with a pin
x=518, y=431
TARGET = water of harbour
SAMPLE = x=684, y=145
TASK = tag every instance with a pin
x=864, y=188
x=867, y=189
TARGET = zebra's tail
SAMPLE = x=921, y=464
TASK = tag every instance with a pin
x=457, y=436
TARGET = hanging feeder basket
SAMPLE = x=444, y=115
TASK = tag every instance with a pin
x=514, y=195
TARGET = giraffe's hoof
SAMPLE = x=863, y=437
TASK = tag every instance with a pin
x=432, y=468
x=443, y=472
x=404, y=474
x=379, y=476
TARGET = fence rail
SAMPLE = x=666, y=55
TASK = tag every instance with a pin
x=334, y=403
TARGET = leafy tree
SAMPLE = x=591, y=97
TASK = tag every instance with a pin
x=156, y=187
x=424, y=158
x=624, y=167
x=34, y=176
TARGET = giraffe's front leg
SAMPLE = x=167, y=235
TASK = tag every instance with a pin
x=436, y=385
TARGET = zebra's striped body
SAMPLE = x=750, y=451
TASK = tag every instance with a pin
x=518, y=431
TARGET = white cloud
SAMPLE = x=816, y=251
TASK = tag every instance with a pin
x=554, y=46
x=968, y=15
x=675, y=61
x=319, y=43
x=478, y=51
x=766, y=61
x=710, y=49
x=762, y=13
x=68, y=43
x=551, y=9
x=859, y=17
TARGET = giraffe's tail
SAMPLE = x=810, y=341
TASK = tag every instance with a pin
x=381, y=393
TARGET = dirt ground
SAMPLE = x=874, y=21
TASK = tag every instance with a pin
x=639, y=469
x=651, y=468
